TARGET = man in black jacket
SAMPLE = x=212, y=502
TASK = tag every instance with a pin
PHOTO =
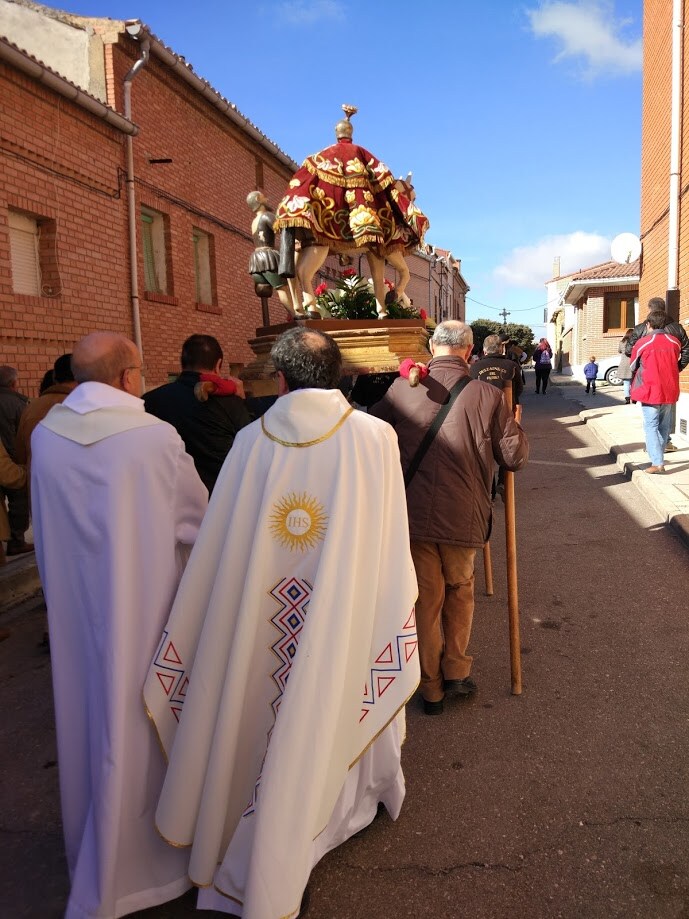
x=672, y=328
x=496, y=368
x=207, y=427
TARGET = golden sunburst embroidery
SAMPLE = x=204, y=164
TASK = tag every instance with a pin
x=298, y=521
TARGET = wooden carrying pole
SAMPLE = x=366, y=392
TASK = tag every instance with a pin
x=512, y=583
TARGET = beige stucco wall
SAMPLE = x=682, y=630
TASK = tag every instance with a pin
x=75, y=52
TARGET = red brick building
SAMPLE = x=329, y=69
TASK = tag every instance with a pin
x=665, y=167
x=61, y=211
x=82, y=187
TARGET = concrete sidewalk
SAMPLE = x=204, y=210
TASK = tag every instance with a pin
x=619, y=429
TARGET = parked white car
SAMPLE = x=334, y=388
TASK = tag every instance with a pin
x=607, y=369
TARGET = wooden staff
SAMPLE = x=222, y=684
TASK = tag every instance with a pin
x=512, y=583
x=488, y=569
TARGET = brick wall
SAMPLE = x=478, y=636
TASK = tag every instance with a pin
x=59, y=165
x=655, y=162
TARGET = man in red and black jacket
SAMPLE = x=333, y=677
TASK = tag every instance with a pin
x=672, y=328
x=655, y=364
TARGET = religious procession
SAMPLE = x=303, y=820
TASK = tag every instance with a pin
x=280, y=550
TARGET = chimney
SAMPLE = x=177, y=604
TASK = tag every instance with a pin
x=556, y=266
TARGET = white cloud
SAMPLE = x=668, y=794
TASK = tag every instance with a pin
x=308, y=12
x=532, y=266
x=588, y=32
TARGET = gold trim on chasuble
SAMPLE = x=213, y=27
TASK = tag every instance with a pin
x=307, y=443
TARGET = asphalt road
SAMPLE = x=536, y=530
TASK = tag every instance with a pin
x=567, y=801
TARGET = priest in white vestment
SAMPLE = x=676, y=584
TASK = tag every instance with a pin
x=280, y=681
x=117, y=503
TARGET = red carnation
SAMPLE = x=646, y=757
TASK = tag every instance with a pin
x=321, y=289
x=349, y=273
x=389, y=284
x=423, y=314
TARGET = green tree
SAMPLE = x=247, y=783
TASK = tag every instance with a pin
x=522, y=334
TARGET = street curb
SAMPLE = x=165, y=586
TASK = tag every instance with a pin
x=19, y=581
x=659, y=491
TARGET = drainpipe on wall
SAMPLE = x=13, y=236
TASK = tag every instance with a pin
x=672, y=298
x=131, y=197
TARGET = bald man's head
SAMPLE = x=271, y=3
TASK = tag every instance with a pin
x=106, y=357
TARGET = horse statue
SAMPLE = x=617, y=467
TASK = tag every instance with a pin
x=345, y=200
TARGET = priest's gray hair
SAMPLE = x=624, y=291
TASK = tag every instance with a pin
x=309, y=359
x=453, y=334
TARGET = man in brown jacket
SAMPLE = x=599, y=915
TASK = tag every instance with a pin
x=38, y=408
x=449, y=500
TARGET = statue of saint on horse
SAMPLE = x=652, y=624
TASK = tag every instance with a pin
x=345, y=200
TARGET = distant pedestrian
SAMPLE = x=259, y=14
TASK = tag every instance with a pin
x=655, y=365
x=543, y=362
x=515, y=353
x=591, y=372
x=624, y=371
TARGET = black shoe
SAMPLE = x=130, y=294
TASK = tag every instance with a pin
x=432, y=708
x=465, y=687
x=19, y=548
x=626, y=400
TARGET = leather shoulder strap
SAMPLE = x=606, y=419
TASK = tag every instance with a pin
x=429, y=436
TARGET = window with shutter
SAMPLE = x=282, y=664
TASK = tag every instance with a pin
x=619, y=312
x=24, y=254
x=154, y=251
x=150, y=277
x=202, y=266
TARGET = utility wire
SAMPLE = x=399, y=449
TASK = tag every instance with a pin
x=497, y=309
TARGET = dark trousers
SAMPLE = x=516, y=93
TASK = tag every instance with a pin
x=17, y=511
x=542, y=374
x=591, y=384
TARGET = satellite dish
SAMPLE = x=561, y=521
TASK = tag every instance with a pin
x=625, y=248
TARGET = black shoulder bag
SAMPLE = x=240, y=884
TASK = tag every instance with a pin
x=429, y=436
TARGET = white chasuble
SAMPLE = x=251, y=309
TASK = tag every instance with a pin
x=116, y=504
x=290, y=648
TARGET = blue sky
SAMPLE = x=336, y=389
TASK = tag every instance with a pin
x=521, y=121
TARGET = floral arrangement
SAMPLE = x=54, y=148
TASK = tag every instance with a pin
x=353, y=297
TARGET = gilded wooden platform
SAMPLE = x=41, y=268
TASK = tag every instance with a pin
x=368, y=346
